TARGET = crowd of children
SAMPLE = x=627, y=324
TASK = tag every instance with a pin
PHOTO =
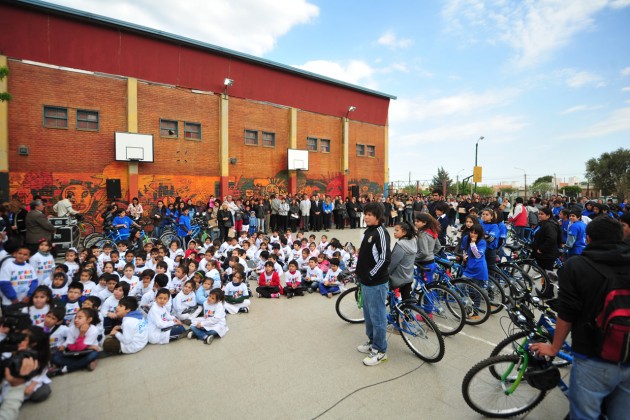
x=110, y=300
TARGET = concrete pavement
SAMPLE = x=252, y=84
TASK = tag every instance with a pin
x=286, y=359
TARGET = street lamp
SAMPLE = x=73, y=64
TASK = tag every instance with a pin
x=477, y=150
x=525, y=175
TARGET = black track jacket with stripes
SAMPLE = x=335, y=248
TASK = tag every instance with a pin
x=374, y=256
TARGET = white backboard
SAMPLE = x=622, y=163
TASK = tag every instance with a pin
x=134, y=147
x=297, y=160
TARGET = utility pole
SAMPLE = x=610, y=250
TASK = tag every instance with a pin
x=525, y=175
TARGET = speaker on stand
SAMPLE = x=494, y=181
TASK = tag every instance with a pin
x=113, y=189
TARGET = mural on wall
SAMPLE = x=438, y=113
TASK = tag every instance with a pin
x=90, y=190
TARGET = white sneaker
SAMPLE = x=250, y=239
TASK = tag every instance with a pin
x=365, y=348
x=374, y=358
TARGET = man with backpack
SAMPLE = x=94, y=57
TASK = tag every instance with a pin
x=594, y=306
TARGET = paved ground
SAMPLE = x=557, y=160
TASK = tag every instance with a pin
x=286, y=359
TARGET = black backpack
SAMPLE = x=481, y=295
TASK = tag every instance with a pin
x=612, y=323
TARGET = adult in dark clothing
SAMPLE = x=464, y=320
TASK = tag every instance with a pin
x=417, y=206
x=38, y=226
x=462, y=209
x=372, y=270
x=547, y=239
x=225, y=221
x=436, y=198
x=338, y=213
x=20, y=222
x=351, y=211
x=582, y=292
x=317, y=213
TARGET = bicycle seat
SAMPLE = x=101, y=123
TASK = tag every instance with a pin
x=445, y=263
x=423, y=269
x=514, y=247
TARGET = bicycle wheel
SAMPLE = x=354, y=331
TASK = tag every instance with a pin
x=540, y=279
x=488, y=395
x=444, y=307
x=86, y=228
x=167, y=237
x=89, y=237
x=92, y=240
x=476, y=301
x=347, y=306
x=510, y=345
x=521, y=281
x=496, y=292
x=420, y=333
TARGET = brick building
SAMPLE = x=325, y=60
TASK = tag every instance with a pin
x=77, y=78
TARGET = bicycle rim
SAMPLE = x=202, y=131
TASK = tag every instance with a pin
x=476, y=302
x=444, y=308
x=496, y=293
x=486, y=394
x=539, y=278
x=420, y=333
x=347, y=306
x=168, y=237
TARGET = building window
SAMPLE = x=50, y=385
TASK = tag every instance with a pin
x=324, y=145
x=371, y=151
x=311, y=144
x=169, y=128
x=55, y=117
x=268, y=139
x=192, y=131
x=360, y=150
x=87, y=120
x=251, y=137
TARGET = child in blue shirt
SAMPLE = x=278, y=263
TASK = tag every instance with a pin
x=475, y=247
x=576, y=235
x=492, y=235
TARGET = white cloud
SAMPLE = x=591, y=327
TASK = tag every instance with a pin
x=580, y=108
x=626, y=71
x=582, y=78
x=418, y=109
x=231, y=24
x=618, y=121
x=533, y=29
x=389, y=39
x=353, y=71
x=625, y=89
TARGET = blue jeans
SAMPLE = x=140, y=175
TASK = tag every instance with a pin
x=375, y=313
x=593, y=381
x=202, y=334
x=176, y=331
x=74, y=363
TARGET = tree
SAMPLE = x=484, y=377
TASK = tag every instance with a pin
x=485, y=191
x=507, y=190
x=4, y=96
x=438, y=181
x=546, y=178
x=610, y=172
x=540, y=187
x=572, y=190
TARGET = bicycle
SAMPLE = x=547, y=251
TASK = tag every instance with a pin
x=418, y=331
x=477, y=305
x=443, y=305
x=507, y=385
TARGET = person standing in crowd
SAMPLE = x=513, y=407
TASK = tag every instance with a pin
x=372, y=271
x=64, y=208
x=584, y=285
x=38, y=227
x=305, y=211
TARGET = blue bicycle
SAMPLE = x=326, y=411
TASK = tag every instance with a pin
x=418, y=331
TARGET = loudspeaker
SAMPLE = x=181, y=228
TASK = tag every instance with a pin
x=113, y=189
x=354, y=190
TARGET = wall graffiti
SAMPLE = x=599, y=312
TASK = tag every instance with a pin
x=90, y=190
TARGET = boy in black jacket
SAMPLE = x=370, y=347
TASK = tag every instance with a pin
x=372, y=271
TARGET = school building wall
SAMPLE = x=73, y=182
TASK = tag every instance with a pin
x=71, y=159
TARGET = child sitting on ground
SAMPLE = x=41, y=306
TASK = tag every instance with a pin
x=236, y=295
x=330, y=285
x=212, y=324
x=269, y=282
x=81, y=348
x=55, y=327
x=108, y=310
x=72, y=301
x=293, y=280
x=163, y=327
x=313, y=276
x=159, y=281
x=185, y=303
x=40, y=305
x=132, y=335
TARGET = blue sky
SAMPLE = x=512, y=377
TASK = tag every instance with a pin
x=546, y=83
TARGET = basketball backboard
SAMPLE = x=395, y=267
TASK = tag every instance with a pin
x=297, y=160
x=133, y=147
